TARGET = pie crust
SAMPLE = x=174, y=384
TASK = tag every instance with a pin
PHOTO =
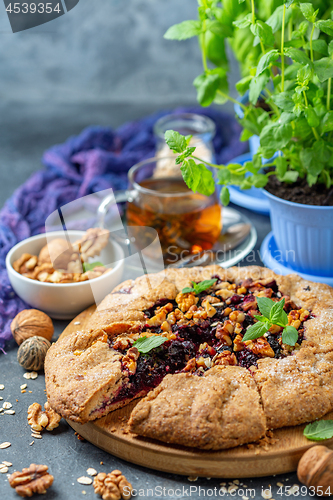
x=227, y=405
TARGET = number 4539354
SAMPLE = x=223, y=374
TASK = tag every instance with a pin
x=304, y=491
x=33, y=8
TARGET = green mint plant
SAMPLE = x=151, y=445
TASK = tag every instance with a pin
x=199, y=287
x=146, y=344
x=272, y=313
x=291, y=71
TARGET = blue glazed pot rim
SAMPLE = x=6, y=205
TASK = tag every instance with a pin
x=293, y=204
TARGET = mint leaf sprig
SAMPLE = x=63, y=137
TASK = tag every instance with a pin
x=319, y=430
x=199, y=287
x=89, y=266
x=198, y=176
x=285, y=50
x=272, y=313
x=146, y=344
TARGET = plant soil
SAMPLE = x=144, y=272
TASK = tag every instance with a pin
x=301, y=192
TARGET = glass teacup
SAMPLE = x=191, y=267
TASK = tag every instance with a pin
x=186, y=222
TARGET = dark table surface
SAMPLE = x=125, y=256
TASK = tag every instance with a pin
x=22, y=142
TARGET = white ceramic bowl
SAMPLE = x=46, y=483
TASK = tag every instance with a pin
x=64, y=300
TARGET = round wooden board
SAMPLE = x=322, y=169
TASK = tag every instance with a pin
x=279, y=455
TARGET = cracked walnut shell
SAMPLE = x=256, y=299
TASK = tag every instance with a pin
x=112, y=486
x=30, y=323
x=40, y=420
x=34, y=479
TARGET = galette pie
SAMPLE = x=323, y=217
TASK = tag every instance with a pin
x=198, y=346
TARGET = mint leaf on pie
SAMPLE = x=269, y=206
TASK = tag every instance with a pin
x=199, y=287
x=203, y=285
x=265, y=305
x=277, y=315
x=90, y=266
x=255, y=331
x=320, y=430
x=289, y=335
x=146, y=344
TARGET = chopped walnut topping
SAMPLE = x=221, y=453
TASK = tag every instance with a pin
x=122, y=343
x=225, y=294
x=211, y=311
x=251, y=304
x=237, y=316
x=190, y=366
x=238, y=343
x=260, y=347
x=40, y=420
x=267, y=292
x=34, y=479
x=129, y=361
x=223, y=284
x=160, y=316
x=225, y=358
x=175, y=316
x=223, y=332
x=212, y=300
x=186, y=300
x=112, y=486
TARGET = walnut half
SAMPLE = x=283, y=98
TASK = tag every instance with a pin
x=34, y=479
x=112, y=486
x=40, y=420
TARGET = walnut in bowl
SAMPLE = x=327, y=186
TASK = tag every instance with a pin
x=61, y=300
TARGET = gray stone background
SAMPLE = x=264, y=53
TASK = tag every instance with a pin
x=102, y=51
x=104, y=62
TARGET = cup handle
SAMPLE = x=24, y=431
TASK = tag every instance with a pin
x=116, y=197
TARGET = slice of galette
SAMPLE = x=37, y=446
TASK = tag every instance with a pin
x=186, y=322
x=218, y=410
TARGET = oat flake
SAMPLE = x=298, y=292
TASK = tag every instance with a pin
x=23, y=386
x=2, y=387
x=8, y=464
x=266, y=494
x=4, y=469
x=33, y=375
x=9, y=412
x=27, y=375
x=4, y=445
x=91, y=471
x=7, y=405
x=84, y=480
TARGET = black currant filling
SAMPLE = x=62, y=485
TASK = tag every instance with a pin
x=201, y=338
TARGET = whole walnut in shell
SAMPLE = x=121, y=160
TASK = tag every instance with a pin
x=31, y=353
x=316, y=469
x=29, y=323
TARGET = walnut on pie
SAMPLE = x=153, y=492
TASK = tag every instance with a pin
x=203, y=343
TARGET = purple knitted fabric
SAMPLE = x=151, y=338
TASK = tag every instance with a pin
x=97, y=159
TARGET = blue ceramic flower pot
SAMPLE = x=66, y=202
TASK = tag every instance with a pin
x=303, y=234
